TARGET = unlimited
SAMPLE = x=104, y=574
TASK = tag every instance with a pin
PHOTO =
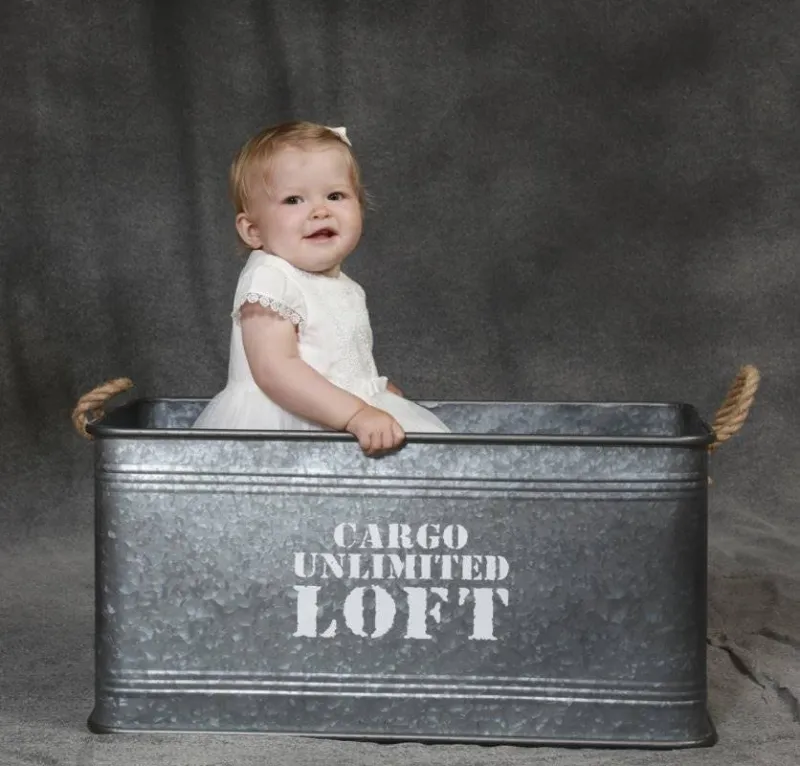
x=401, y=566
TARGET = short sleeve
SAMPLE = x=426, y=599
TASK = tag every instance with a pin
x=274, y=290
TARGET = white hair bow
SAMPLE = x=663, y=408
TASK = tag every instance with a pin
x=342, y=133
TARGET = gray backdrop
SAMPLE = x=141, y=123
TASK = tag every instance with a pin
x=573, y=200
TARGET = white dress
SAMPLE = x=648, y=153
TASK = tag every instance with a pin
x=334, y=337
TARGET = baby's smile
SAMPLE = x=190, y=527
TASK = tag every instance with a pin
x=321, y=235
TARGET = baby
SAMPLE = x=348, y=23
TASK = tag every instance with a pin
x=301, y=342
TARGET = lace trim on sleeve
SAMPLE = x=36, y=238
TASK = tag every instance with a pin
x=281, y=309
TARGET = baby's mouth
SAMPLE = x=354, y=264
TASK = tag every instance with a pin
x=322, y=234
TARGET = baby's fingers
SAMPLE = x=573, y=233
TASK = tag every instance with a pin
x=398, y=434
x=378, y=443
x=391, y=437
x=375, y=444
x=388, y=440
x=365, y=441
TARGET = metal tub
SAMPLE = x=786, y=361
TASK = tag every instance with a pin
x=537, y=576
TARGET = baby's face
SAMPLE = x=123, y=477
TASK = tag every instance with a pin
x=309, y=213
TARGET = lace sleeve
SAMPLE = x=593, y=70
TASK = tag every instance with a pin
x=273, y=290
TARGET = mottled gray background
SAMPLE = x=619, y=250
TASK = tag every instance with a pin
x=577, y=200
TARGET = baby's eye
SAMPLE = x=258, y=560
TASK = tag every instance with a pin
x=336, y=196
x=293, y=200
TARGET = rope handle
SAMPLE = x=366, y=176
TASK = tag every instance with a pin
x=734, y=409
x=90, y=406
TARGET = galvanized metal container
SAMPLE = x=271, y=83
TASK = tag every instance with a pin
x=537, y=576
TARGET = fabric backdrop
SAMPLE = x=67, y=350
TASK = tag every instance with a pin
x=573, y=200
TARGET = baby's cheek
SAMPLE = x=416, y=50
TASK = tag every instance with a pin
x=356, y=219
x=293, y=219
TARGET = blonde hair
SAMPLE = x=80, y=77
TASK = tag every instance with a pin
x=253, y=160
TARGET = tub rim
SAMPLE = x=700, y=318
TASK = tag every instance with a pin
x=701, y=436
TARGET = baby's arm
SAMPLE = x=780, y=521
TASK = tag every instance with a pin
x=393, y=389
x=270, y=345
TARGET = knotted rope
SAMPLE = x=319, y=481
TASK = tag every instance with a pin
x=90, y=406
x=736, y=406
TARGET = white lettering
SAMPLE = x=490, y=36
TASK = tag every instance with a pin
x=332, y=563
x=403, y=566
x=446, y=561
x=455, y=537
x=338, y=535
x=418, y=610
x=496, y=568
x=423, y=606
x=400, y=536
x=354, y=559
x=299, y=564
x=425, y=566
x=372, y=537
x=483, y=610
x=384, y=611
x=308, y=612
x=426, y=542
x=471, y=567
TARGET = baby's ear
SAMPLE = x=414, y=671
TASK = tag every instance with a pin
x=248, y=231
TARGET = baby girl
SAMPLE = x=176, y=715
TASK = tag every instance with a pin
x=301, y=342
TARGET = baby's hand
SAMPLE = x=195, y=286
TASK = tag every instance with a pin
x=377, y=431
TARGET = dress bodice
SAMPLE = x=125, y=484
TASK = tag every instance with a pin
x=331, y=316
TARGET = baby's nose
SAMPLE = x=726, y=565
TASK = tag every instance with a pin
x=320, y=211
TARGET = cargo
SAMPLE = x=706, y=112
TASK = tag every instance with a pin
x=536, y=576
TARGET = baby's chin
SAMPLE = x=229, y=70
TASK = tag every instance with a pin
x=316, y=262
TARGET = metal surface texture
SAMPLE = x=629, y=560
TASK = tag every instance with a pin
x=539, y=575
